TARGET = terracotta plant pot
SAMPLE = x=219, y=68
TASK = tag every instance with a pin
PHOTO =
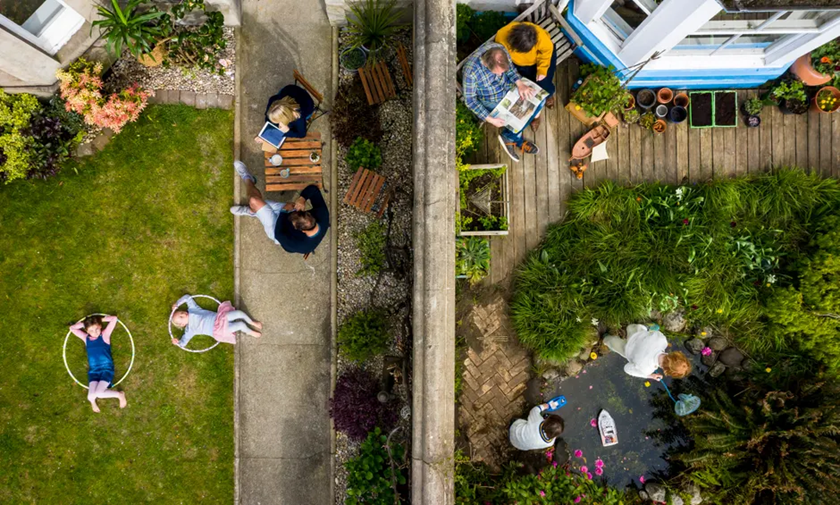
x=154, y=58
x=835, y=93
x=665, y=95
x=659, y=126
x=681, y=100
x=630, y=104
x=803, y=69
x=646, y=98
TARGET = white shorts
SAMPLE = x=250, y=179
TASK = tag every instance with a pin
x=268, y=216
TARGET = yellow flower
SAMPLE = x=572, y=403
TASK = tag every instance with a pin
x=703, y=333
x=647, y=384
x=720, y=311
x=768, y=284
x=768, y=369
x=577, y=107
x=593, y=355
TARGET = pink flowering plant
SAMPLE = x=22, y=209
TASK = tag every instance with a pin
x=81, y=87
x=555, y=485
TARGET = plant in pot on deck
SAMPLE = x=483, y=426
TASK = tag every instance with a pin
x=601, y=91
x=820, y=66
x=792, y=97
x=827, y=100
x=372, y=25
x=752, y=109
x=137, y=30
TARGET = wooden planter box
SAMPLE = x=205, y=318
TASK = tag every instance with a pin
x=503, y=191
x=696, y=101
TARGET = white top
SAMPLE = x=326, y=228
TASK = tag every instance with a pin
x=642, y=350
x=526, y=435
x=201, y=321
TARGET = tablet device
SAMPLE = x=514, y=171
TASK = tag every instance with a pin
x=272, y=135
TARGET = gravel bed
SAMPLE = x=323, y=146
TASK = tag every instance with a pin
x=127, y=71
x=360, y=292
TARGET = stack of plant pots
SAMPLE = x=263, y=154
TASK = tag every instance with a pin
x=664, y=105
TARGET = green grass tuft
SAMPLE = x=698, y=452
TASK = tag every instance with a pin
x=126, y=232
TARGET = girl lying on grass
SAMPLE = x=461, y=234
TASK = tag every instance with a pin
x=221, y=325
x=100, y=363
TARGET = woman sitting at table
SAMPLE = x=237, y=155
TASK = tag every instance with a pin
x=289, y=110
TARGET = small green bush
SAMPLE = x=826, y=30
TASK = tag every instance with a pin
x=753, y=106
x=371, y=243
x=370, y=475
x=600, y=92
x=468, y=132
x=472, y=258
x=363, y=154
x=363, y=335
x=16, y=114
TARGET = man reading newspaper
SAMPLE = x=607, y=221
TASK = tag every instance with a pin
x=496, y=93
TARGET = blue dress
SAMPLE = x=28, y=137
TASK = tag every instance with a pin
x=100, y=362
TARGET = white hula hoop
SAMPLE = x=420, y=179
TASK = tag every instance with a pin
x=173, y=313
x=69, y=332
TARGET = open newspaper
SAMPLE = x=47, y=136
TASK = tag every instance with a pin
x=517, y=111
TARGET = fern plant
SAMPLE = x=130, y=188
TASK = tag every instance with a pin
x=137, y=31
x=373, y=24
x=472, y=258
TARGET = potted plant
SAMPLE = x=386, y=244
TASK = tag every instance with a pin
x=661, y=111
x=819, y=66
x=136, y=30
x=827, y=100
x=752, y=108
x=472, y=258
x=372, y=24
x=665, y=95
x=681, y=100
x=631, y=116
x=646, y=98
x=677, y=114
x=792, y=97
x=352, y=59
x=646, y=120
x=601, y=92
x=659, y=126
x=629, y=102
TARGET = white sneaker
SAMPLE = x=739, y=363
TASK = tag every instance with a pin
x=241, y=210
x=243, y=172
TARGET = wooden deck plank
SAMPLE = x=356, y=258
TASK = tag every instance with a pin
x=778, y=137
x=576, y=128
x=718, y=152
x=800, y=143
x=648, y=167
x=562, y=135
x=694, y=151
x=623, y=164
x=741, y=139
x=765, y=135
x=813, y=141
x=789, y=137
x=706, y=149
x=635, y=154
x=553, y=165
x=825, y=145
x=754, y=146
x=671, y=154
x=541, y=166
x=659, y=158
x=730, y=158
x=532, y=234
x=681, y=140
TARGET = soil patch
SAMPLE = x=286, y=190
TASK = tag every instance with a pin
x=701, y=109
x=725, y=110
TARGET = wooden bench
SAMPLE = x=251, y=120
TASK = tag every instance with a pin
x=377, y=83
x=302, y=171
x=406, y=67
x=368, y=192
x=550, y=18
x=316, y=96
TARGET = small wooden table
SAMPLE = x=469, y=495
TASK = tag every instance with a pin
x=302, y=171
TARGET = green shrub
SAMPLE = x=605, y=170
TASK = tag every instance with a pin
x=16, y=113
x=371, y=243
x=753, y=106
x=371, y=475
x=373, y=25
x=600, y=92
x=464, y=15
x=133, y=28
x=363, y=154
x=715, y=251
x=774, y=442
x=363, y=335
x=472, y=258
x=468, y=132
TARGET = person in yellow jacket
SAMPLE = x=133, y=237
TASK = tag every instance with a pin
x=532, y=53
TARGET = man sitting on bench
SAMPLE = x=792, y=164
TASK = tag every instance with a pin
x=488, y=76
x=289, y=225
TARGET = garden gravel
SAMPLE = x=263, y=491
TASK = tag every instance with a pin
x=393, y=292
x=127, y=71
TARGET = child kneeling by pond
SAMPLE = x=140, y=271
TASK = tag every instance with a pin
x=536, y=432
x=221, y=325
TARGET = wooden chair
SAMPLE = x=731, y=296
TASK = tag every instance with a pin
x=550, y=18
x=317, y=97
x=376, y=80
x=368, y=192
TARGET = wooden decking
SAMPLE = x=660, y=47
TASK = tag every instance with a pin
x=541, y=184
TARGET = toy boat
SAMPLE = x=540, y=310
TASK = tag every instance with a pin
x=559, y=400
x=606, y=425
x=593, y=137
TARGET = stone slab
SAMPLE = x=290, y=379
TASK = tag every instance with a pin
x=285, y=481
x=188, y=98
x=200, y=101
x=226, y=102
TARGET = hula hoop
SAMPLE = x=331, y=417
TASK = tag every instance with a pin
x=129, y=365
x=173, y=313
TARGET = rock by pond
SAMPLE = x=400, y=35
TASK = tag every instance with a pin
x=718, y=343
x=710, y=359
x=717, y=369
x=731, y=357
x=674, y=322
x=695, y=345
x=655, y=491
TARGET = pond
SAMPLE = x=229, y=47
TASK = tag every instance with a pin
x=602, y=384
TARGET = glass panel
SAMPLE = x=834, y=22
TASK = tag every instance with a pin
x=712, y=42
x=19, y=10
x=630, y=11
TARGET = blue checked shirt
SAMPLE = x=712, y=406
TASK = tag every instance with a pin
x=483, y=89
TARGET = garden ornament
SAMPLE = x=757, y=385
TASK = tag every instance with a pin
x=686, y=404
x=555, y=403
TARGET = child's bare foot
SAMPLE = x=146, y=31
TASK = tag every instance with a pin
x=257, y=334
x=123, y=401
x=257, y=139
x=258, y=325
x=95, y=406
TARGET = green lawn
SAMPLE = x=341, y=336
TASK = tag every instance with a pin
x=125, y=232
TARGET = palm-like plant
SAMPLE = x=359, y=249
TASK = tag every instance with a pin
x=137, y=31
x=473, y=258
x=372, y=24
x=768, y=447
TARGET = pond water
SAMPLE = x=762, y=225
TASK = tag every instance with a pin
x=643, y=434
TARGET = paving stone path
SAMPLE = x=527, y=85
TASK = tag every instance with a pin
x=193, y=99
x=496, y=372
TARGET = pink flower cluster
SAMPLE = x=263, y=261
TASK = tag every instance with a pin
x=81, y=88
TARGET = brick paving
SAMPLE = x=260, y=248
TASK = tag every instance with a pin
x=496, y=373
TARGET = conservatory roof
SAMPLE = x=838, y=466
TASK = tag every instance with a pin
x=769, y=5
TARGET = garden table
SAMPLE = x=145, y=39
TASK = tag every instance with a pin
x=296, y=154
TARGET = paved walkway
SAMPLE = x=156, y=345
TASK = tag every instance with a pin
x=283, y=435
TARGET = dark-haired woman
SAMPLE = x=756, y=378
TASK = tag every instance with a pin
x=532, y=52
x=100, y=363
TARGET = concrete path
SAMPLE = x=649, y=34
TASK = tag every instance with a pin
x=283, y=425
